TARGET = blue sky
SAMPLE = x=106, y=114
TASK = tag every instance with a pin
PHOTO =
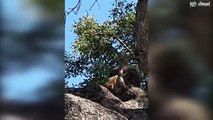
x=101, y=14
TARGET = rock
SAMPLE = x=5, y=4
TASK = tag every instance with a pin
x=77, y=108
x=98, y=103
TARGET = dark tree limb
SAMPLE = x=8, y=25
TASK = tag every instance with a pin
x=140, y=35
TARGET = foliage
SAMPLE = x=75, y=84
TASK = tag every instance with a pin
x=100, y=47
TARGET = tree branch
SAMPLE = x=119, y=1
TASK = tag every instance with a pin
x=124, y=44
x=96, y=1
x=75, y=9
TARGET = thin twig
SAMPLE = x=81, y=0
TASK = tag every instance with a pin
x=96, y=1
x=75, y=9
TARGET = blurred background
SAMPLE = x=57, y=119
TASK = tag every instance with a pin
x=180, y=58
x=32, y=59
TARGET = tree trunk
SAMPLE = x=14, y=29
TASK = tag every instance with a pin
x=141, y=35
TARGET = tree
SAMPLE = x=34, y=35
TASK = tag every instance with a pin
x=100, y=47
x=141, y=35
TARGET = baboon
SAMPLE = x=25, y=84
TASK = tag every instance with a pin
x=131, y=76
x=126, y=76
x=115, y=82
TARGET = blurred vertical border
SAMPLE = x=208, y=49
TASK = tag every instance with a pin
x=180, y=57
x=32, y=59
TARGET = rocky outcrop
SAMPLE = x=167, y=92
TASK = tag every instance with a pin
x=78, y=108
x=98, y=103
